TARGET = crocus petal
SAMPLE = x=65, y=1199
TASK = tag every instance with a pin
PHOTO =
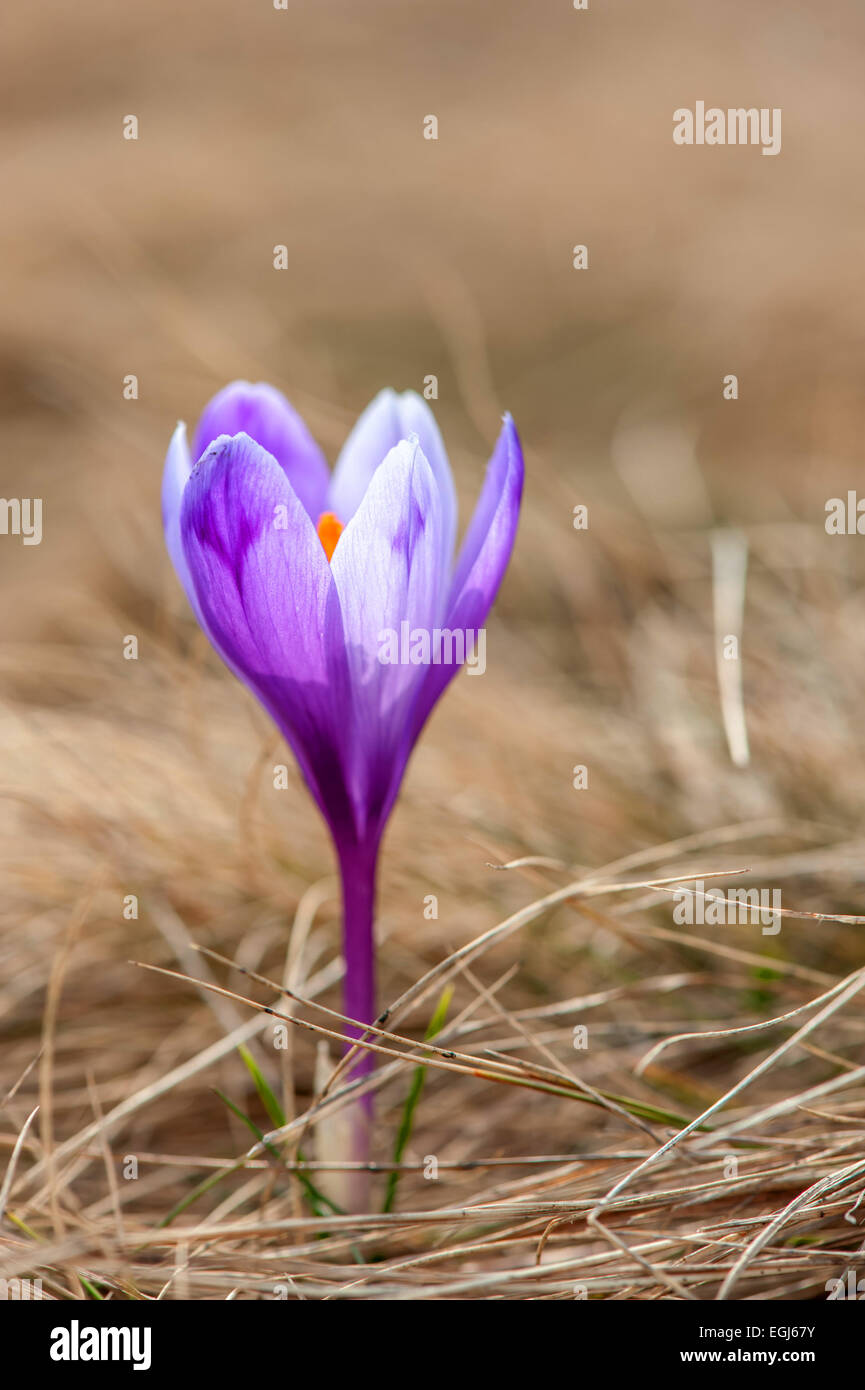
x=482, y=561
x=267, y=595
x=387, y=570
x=388, y=419
x=264, y=414
x=178, y=466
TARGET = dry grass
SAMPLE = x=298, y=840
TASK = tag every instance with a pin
x=730, y=1165
x=540, y=1187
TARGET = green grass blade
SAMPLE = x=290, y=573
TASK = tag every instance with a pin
x=317, y=1200
x=414, y=1094
x=268, y=1099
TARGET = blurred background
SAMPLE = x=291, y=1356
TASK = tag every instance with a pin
x=409, y=258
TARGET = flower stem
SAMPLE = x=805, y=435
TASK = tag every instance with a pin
x=358, y=865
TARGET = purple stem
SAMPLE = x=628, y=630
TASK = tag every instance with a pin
x=358, y=863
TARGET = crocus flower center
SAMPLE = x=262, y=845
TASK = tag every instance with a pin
x=329, y=528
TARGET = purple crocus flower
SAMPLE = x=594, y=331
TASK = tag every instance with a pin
x=295, y=575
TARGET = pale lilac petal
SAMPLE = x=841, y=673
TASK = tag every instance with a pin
x=266, y=593
x=387, y=570
x=263, y=413
x=482, y=560
x=388, y=419
x=178, y=466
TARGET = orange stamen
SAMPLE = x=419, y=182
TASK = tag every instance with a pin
x=329, y=528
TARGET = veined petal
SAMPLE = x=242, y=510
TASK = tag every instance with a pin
x=388, y=419
x=387, y=570
x=482, y=560
x=267, y=596
x=178, y=468
x=263, y=413
x=489, y=540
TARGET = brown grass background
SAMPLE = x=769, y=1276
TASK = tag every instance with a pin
x=409, y=257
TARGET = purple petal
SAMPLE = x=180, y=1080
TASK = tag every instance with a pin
x=388, y=419
x=265, y=415
x=178, y=468
x=388, y=573
x=267, y=595
x=482, y=561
